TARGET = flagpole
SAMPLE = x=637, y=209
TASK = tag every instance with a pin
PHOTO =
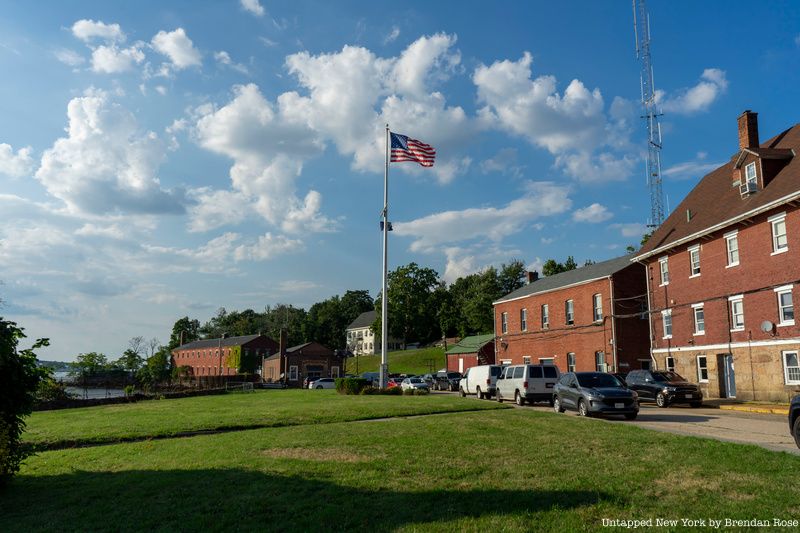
x=384, y=289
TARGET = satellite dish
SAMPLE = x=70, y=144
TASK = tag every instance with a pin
x=767, y=326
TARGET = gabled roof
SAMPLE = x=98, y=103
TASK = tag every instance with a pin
x=571, y=277
x=215, y=343
x=471, y=344
x=293, y=349
x=364, y=320
x=715, y=203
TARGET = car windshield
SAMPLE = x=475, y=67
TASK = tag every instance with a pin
x=667, y=376
x=595, y=380
x=415, y=380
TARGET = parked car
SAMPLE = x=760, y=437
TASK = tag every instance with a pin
x=794, y=419
x=373, y=377
x=480, y=381
x=527, y=383
x=308, y=381
x=429, y=379
x=323, y=383
x=664, y=388
x=594, y=393
x=447, y=380
x=621, y=378
x=394, y=382
x=414, y=383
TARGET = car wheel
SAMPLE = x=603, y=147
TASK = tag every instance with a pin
x=696, y=404
x=478, y=393
x=797, y=431
x=630, y=416
x=319, y=387
x=557, y=407
x=583, y=409
x=661, y=399
x=518, y=399
x=462, y=392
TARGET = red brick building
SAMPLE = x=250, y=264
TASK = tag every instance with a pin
x=294, y=364
x=590, y=318
x=471, y=351
x=722, y=272
x=224, y=357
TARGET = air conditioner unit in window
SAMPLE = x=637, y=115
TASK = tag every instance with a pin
x=747, y=188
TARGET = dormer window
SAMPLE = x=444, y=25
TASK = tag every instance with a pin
x=750, y=174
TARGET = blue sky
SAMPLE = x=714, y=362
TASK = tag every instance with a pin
x=163, y=159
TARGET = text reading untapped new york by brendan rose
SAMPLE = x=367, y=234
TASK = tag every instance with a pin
x=715, y=523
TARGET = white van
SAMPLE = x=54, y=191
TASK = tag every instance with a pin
x=480, y=381
x=531, y=383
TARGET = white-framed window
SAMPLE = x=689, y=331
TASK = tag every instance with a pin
x=785, y=306
x=545, y=316
x=504, y=322
x=702, y=369
x=523, y=319
x=526, y=360
x=505, y=362
x=666, y=320
x=737, y=312
x=780, y=242
x=669, y=363
x=597, y=305
x=570, y=362
x=663, y=266
x=791, y=368
x=732, y=248
x=694, y=261
x=600, y=361
x=293, y=373
x=569, y=312
x=750, y=173
x=547, y=361
x=699, y=319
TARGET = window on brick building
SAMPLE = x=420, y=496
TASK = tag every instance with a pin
x=546, y=361
x=504, y=322
x=523, y=320
x=669, y=363
x=569, y=312
x=526, y=360
x=293, y=373
x=732, y=247
x=750, y=173
x=600, y=361
x=666, y=320
x=545, y=316
x=702, y=369
x=785, y=306
x=791, y=368
x=737, y=312
x=779, y=241
x=570, y=362
x=597, y=305
x=663, y=266
x=694, y=261
x=699, y=319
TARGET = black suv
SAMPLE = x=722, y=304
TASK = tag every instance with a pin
x=664, y=387
x=794, y=419
x=592, y=393
x=447, y=381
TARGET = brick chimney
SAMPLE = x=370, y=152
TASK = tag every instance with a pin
x=748, y=130
x=532, y=276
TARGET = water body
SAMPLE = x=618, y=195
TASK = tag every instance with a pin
x=89, y=393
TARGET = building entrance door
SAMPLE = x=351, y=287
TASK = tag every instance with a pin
x=727, y=377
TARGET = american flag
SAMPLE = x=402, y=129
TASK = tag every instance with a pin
x=407, y=149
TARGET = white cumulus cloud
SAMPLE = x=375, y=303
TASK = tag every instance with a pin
x=15, y=165
x=113, y=60
x=594, y=213
x=177, y=46
x=69, y=57
x=253, y=6
x=87, y=30
x=712, y=84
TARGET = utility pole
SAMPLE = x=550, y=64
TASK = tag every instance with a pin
x=641, y=29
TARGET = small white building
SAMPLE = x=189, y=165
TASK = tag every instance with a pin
x=360, y=338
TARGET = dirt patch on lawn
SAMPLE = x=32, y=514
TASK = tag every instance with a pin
x=338, y=455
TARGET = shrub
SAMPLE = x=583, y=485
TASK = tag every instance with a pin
x=350, y=385
x=50, y=390
x=19, y=380
x=415, y=392
x=394, y=391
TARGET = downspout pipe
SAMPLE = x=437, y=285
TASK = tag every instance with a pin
x=649, y=315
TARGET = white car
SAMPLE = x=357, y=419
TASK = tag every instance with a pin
x=323, y=383
x=414, y=383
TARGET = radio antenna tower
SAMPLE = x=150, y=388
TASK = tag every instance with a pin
x=641, y=29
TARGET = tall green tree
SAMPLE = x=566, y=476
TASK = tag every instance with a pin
x=511, y=277
x=412, y=305
x=19, y=379
x=89, y=364
x=185, y=327
x=551, y=266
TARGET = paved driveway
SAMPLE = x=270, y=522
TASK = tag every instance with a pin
x=768, y=431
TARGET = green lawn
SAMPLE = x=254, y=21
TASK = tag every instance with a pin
x=265, y=408
x=500, y=470
x=402, y=362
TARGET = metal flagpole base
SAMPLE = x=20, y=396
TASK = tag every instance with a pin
x=384, y=375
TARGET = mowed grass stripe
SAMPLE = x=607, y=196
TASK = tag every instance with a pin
x=186, y=416
x=509, y=470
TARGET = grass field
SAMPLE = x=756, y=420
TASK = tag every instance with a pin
x=496, y=470
x=158, y=419
x=402, y=362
